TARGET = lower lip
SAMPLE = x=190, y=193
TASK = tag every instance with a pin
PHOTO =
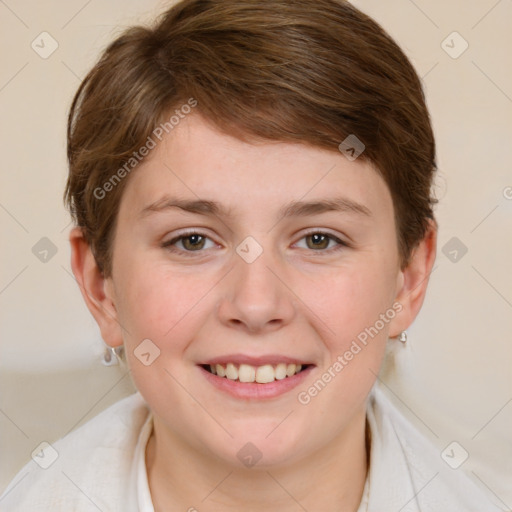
x=254, y=390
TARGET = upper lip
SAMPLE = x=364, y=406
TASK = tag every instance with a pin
x=239, y=359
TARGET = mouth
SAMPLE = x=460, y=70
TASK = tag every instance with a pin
x=246, y=378
x=263, y=374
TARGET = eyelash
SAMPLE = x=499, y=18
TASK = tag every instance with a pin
x=170, y=245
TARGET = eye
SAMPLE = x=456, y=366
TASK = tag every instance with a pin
x=189, y=242
x=319, y=241
x=197, y=242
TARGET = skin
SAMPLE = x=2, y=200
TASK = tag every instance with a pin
x=294, y=299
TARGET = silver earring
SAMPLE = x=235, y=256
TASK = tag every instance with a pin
x=111, y=356
x=403, y=337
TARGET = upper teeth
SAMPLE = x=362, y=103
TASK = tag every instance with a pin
x=261, y=374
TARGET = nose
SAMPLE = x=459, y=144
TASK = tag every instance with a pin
x=255, y=297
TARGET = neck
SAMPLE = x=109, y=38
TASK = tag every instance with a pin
x=331, y=479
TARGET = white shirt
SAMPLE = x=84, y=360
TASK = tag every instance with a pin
x=101, y=466
x=139, y=477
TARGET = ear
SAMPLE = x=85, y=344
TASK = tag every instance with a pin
x=97, y=291
x=413, y=280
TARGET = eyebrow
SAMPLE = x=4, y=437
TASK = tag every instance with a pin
x=292, y=209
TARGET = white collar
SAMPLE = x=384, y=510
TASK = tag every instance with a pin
x=140, y=494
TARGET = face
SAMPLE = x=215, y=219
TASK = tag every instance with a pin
x=255, y=258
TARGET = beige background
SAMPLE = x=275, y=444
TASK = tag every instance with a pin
x=453, y=379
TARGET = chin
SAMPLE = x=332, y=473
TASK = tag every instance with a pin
x=257, y=449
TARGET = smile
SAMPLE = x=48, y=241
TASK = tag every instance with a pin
x=255, y=378
x=260, y=374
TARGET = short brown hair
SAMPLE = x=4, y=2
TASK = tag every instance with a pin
x=308, y=71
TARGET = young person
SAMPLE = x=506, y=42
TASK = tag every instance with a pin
x=251, y=187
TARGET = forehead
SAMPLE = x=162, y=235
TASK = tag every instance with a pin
x=197, y=161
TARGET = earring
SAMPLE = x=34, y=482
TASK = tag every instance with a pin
x=111, y=356
x=403, y=337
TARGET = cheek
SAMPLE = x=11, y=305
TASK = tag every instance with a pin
x=156, y=303
x=349, y=305
x=349, y=299
x=166, y=309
